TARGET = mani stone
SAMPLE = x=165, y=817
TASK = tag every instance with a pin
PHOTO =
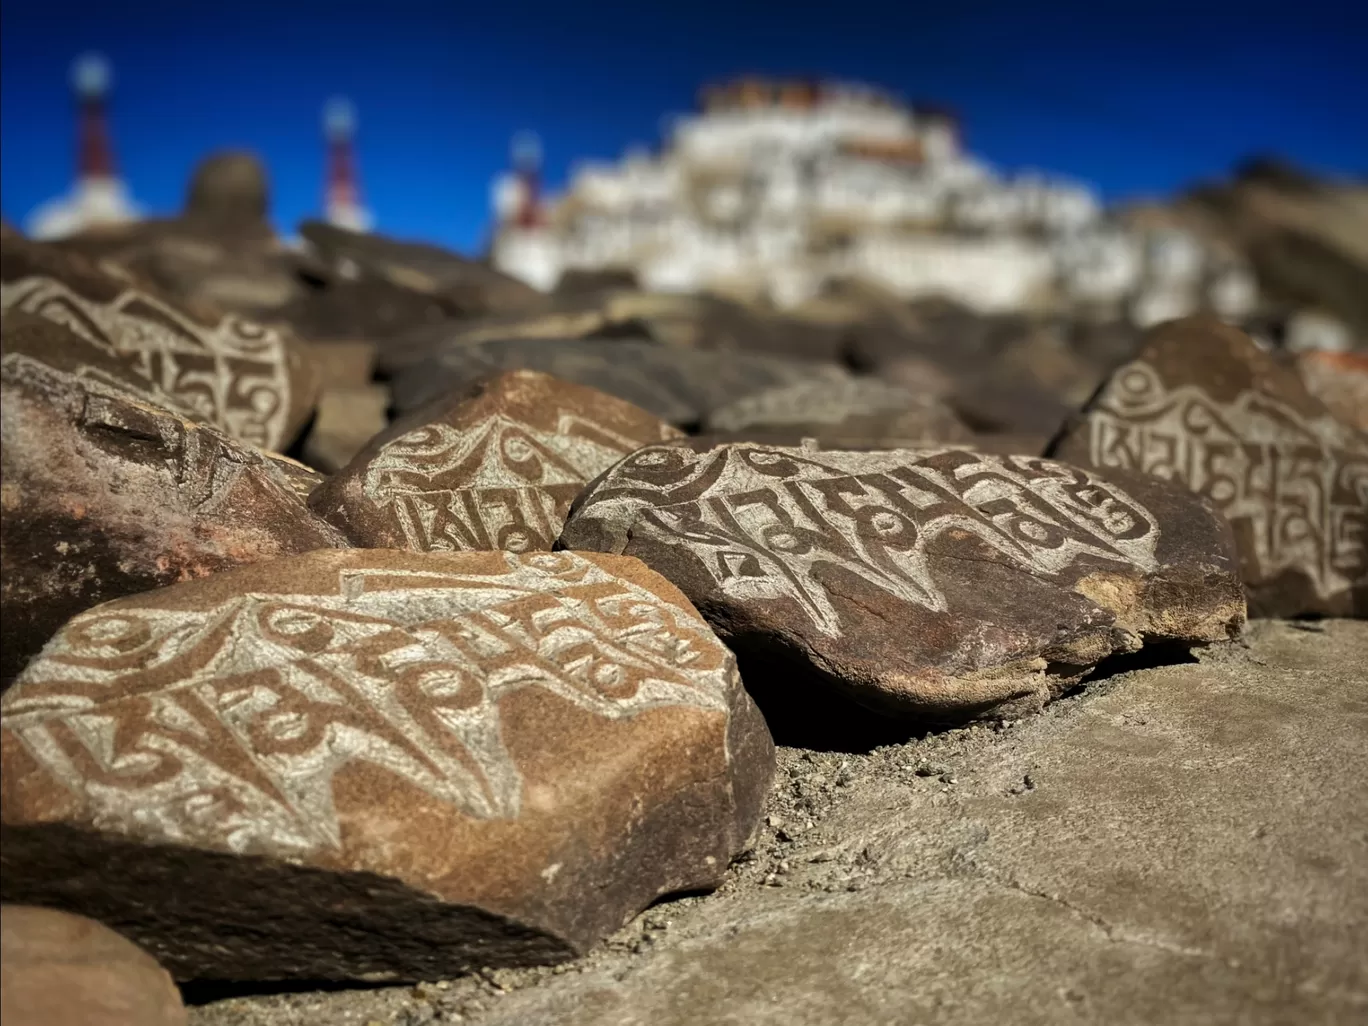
x=105, y=495
x=932, y=584
x=379, y=765
x=855, y=406
x=57, y=969
x=253, y=383
x=1201, y=404
x=493, y=467
x=675, y=384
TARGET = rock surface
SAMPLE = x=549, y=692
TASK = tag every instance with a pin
x=252, y=382
x=495, y=466
x=57, y=969
x=379, y=764
x=675, y=384
x=1340, y=381
x=1201, y=404
x=460, y=283
x=938, y=584
x=346, y=421
x=1181, y=844
x=106, y=495
x=856, y=406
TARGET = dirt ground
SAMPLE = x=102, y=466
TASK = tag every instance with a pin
x=1185, y=843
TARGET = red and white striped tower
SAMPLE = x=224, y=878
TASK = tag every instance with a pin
x=527, y=165
x=342, y=197
x=100, y=196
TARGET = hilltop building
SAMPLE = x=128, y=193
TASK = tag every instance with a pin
x=775, y=188
x=99, y=196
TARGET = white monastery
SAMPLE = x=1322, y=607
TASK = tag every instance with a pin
x=776, y=188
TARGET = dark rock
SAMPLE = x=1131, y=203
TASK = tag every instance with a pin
x=254, y=383
x=462, y=284
x=856, y=406
x=106, y=495
x=1201, y=404
x=380, y=765
x=938, y=584
x=229, y=189
x=676, y=384
x=493, y=467
x=57, y=969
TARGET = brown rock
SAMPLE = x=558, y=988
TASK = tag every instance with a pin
x=253, y=383
x=676, y=384
x=855, y=406
x=346, y=421
x=229, y=188
x=344, y=363
x=1201, y=404
x=1340, y=381
x=106, y=495
x=57, y=969
x=494, y=467
x=379, y=764
x=933, y=583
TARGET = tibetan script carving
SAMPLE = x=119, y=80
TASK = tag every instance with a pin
x=233, y=375
x=1299, y=484
x=764, y=520
x=499, y=484
x=186, y=717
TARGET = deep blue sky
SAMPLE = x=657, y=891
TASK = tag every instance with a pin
x=1139, y=98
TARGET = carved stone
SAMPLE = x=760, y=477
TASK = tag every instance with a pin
x=675, y=384
x=939, y=584
x=57, y=969
x=106, y=494
x=1202, y=405
x=494, y=467
x=378, y=765
x=253, y=383
x=1340, y=380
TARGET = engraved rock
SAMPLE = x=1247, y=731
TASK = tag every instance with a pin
x=373, y=764
x=676, y=384
x=254, y=383
x=936, y=583
x=57, y=969
x=1202, y=405
x=494, y=467
x=855, y=406
x=105, y=495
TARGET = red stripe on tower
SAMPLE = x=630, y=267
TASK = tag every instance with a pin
x=94, y=150
x=342, y=193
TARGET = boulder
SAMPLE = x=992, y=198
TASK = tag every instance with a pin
x=676, y=384
x=493, y=467
x=938, y=584
x=374, y=765
x=57, y=969
x=107, y=495
x=346, y=421
x=229, y=188
x=1201, y=404
x=254, y=383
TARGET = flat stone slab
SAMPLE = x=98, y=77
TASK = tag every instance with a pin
x=1202, y=405
x=1181, y=844
x=377, y=764
x=929, y=583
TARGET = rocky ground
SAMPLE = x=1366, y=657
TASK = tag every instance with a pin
x=1180, y=843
